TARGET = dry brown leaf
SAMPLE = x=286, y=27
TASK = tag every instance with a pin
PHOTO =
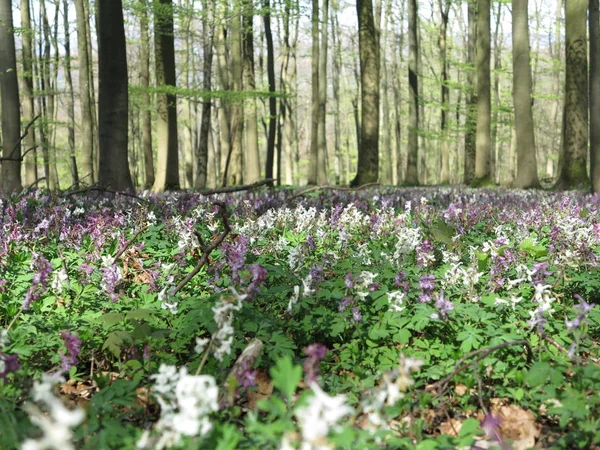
x=451, y=427
x=517, y=425
x=265, y=389
x=460, y=389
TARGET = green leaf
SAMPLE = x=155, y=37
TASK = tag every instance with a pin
x=115, y=340
x=140, y=314
x=286, y=376
x=110, y=319
x=469, y=427
x=402, y=337
x=538, y=374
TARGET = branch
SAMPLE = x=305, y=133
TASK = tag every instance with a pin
x=128, y=243
x=217, y=240
x=481, y=354
x=25, y=133
x=331, y=188
x=108, y=191
x=227, y=190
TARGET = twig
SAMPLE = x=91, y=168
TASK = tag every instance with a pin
x=25, y=133
x=332, y=188
x=128, y=243
x=245, y=187
x=217, y=240
x=481, y=354
x=563, y=349
x=108, y=191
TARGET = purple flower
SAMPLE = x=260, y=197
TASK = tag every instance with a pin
x=581, y=317
x=235, y=255
x=259, y=275
x=42, y=269
x=146, y=352
x=344, y=303
x=401, y=282
x=491, y=426
x=425, y=254
x=356, y=315
x=349, y=280
x=316, y=353
x=427, y=282
x=246, y=377
x=73, y=344
x=443, y=306
x=10, y=363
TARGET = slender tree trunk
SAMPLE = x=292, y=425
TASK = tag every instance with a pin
x=272, y=99
x=368, y=44
x=471, y=120
x=482, y=138
x=237, y=117
x=594, y=83
x=335, y=81
x=10, y=172
x=189, y=120
x=397, y=85
x=252, y=157
x=313, y=173
x=526, y=158
x=27, y=90
x=71, y=102
x=167, y=165
x=385, y=126
x=208, y=30
x=445, y=92
x=146, y=99
x=572, y=166
x=412, y=174
x=498, y=40
x=113, y=98
x=322, y=127
x=86, y=156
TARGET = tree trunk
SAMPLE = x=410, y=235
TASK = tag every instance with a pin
x=11, y=113
x=526, y=158
x=412, y=171
x=86, y=157
x=397, y=85
x=27, y=90
x=71, y=101
x=235, y=170
x=594, y=83
x=572, y=167
x=252, y=157
x=313, y=173
x=386, y=130
x=146, y=99
x=272, y=99
x=368, y=44
x=471, y=120
x=498, y=40
x=113, y=168
x=335, y=81
x=322, y=127
x=482, y=137
x=445, y=93
x=167, y=164
x=189, y=119
x=208, y=31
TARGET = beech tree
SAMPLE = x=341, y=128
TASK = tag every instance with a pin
x=113, y=169
x=11, y=113
x=482, y=136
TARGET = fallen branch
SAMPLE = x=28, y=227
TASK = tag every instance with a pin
x=106, y=190
x=332, y=188
x=245, y=187
x=573, y=359
x=481, y=354
x=25, y=133
x=128, y=243
x=216, y=242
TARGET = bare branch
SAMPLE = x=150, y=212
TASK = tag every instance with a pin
x=246, y=187
x=25, y=133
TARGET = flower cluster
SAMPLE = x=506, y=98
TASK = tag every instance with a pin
x=42, y=268
x=8, y=363
x=57, y=423
x=73, y=344
x=186, y=402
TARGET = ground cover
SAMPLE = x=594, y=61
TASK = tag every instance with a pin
x=380, y=318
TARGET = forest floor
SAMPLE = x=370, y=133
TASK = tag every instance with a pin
x=421, y=318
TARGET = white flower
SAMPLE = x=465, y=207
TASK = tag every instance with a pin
x=396, y=300
x=322, y=413
x=3, y=339
x=201, y=344
x=293, y=299
x=60, y=280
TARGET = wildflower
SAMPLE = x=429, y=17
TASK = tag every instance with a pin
x=57, y=423
x=425, y=255
x=73, y=344
x=356, y=315
x=186, y=401
x=396, y=300
x=60, y=280
x=319, y=416
x=443, y=306
x=8, y=364
x=42, y=269
x=259, y=275
x=316, y=353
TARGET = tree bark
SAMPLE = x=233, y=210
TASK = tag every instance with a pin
x=471, y=119
x=526, y=157
x=167, y=164
x=572, y=166
x=11, y=113
x=313, y=173
x=368, y=44
x=482, y=137
x=322, y=127
x=445, y=93
x=113, y=168
x=272, y=99
x=86, y=140
x=146, y=98
x=594, y=84
x=71, y=101
x=412, y=173
x=252, y=157
x=31, y=176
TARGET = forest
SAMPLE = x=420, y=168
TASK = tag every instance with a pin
x=237, y=224
x=163, y=95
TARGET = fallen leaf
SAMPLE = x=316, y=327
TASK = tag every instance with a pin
x=517, y=425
